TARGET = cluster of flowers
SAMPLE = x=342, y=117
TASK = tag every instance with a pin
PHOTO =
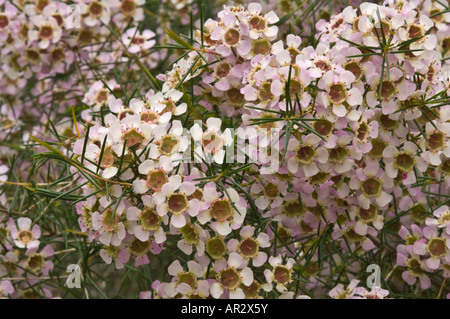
x=369, y=88
x=48, y=50
x=361, y=118
x=22, y=257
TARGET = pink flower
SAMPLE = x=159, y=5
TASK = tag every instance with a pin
x=230, y=275
x=25, y=236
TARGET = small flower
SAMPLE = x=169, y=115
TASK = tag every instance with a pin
x=36, y=262
x=136, y=42
x=374, y=293
x=230, y=275
x=193, y=235
x=339, y=292
x=372, y=184
x=6, y=288
x=25, y=236
x=248, y=246
x=108, y=225
x=442, y=219
x=281, y=274
x=156, y=175
x=415, y=268
x=228, y=211
x=438, y=247
x=147, y=221
x=49, y=31
x=173, y=198
x=404, y=162
x=338, y=92
x=186, y=282
x=212, y=141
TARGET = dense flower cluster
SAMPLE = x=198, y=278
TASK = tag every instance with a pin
x=346, y=143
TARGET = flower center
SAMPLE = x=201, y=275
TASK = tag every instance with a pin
x=295, y=88
x=197, y=194
x=337, y=93
x=168, y=144
x=222, y=70
x=305, y=227
x=3, y=21
x=415, y=267
x=386, y=30
x=436, y=141
x=232, y=37
x=189, y=233
x=46, y=32
x=110, y=220
x=282, y=274
x=293, y=209
x=261, y=46
x=305, y=154
x=133, y=138
x=139, y=248
x=229, y=278
x=32, y=55
x=445, y=167
x=23, y=32
x=248, y=247
x=258, y=23
x=322, y=65
x=177, y=203
x=150, y=220
x=338, y=154
x=215, y=247
x=419, y=213
x=368, y=215
x=156, y=180
x=221, y=210
x=25, y=236
x=252, y=291
x=387, y=122
x=235, y=97
x=264, y=92
x=415, y=31
x=170, y=106
x=85, y=36
x=149, y=117
x=387, y=89
x=293, y=52
x=187, y=278
x=355, y=69
x=58, y=55
x=283, y=234
x=95, y=9
x=378, y=147
x=271, y=190
x=101, y=96
x=352, y=236
x=404, y=162
x=323, y=127
x=138, y=40
x=319, y=178
x=363, y=132
x=128, y=7
x=59, y=19
x=372, y=187
x=35, y=262
x=436, y=247
x=41, y=4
